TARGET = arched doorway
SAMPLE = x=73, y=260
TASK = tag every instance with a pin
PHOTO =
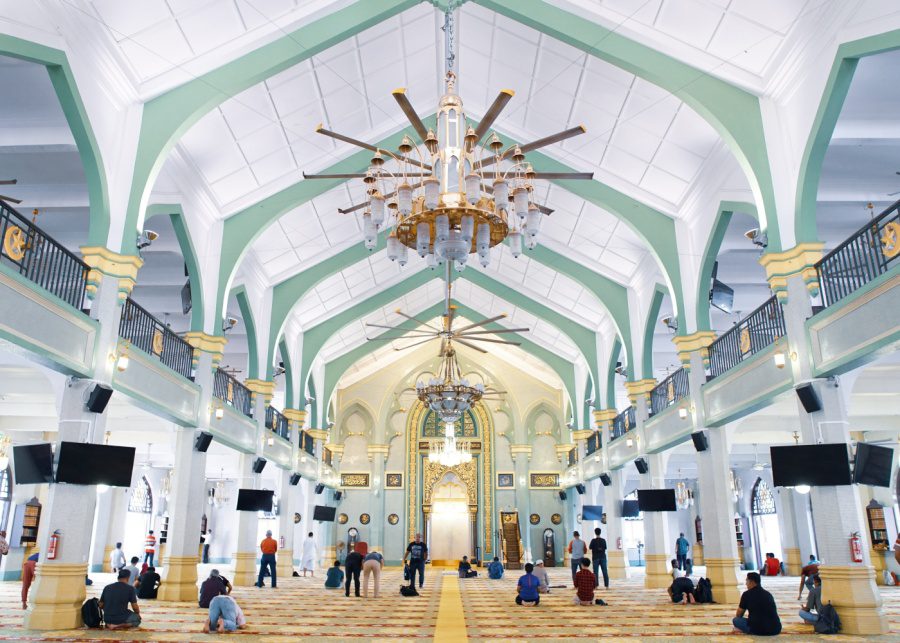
x=765, y=522
x=449, y=533
x=139, y=519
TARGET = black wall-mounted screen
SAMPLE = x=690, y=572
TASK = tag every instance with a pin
x=255, y=500
x=873, y=465
x=33, y=463
x=323, y=513
x=656, y=499
x=592, y=512
x=816, y=465
x=92, y=464
x=630, y=509
x=187, y=301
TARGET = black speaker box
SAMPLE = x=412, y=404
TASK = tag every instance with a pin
x=808, y=398
x=605, y=479
x=320, y=488
x=98, y=398
x=338, y=495
x=641, y=465
x=580, y=489
x=701, y=443
x=562, y=495
x=203, y=441
x=258, y=465
x=295, y=479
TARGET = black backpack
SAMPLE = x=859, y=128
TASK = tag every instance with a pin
x=703, y=593
x=828, y=622
x=406, y=590
x=91, y=613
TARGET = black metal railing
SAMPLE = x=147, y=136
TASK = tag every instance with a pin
x=572, y=457
x=307, y=443
x=594, y=442
x=623, y=423
x=749, y=336
x=37, y=257
x=277, y=423
x=672, y=389
x=145, y=331
x=232, y=392
x=870, y=251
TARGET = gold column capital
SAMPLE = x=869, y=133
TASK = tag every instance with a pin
x=103, y=262
x=265, y=388
x=581, y=434
x=203, y=343
x=604, y=416
x=520, y=449
x=799, y=260
x=319, y=434
x=687, y=344
x=336, y=449
x=375, y=449
x=563, y=449
x=295, y=416
x=640, y=387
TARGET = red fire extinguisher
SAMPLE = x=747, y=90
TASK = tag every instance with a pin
x=53, y=547
x=856, y=547
x=619, y=542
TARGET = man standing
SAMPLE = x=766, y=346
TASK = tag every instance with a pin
x=268, y=547
x=353, y=567
x=682, y=547
x=416, y=552
x=114, y=602
x=598, y=554
x=150, y=548
x=117, y=558
x=207, y=541
x=309, y=555
x=578, y=549
x=763, y=619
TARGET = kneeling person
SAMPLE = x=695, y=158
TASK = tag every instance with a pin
x=114, y=602
x=682, y=590
x=585, y=582
x=528, y=587
x=465, y=568
x=224, y=615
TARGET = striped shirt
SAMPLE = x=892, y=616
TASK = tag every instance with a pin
x=150, y=544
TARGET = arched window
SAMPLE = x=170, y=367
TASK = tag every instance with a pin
x=141, y=498
x=762, y=501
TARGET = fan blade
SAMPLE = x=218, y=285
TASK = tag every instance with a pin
x=354, y=175
x=381, y=338
x=365, y=146
x=406, y=106
x=581, y=176
x=893, y=193
x=397, y=328
x=492, y=341
x=9, y=181
x=472, y=346
x=3, y=197
x=481, y=323
x=493, y=112
x=418, y=321
x=413, y=345
x=497, y=332
x=553, y=138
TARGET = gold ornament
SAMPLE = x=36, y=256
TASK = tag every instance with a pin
x=890, y=240
x=534, y=519
x=14, y=243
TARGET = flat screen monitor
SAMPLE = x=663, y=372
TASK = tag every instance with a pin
x=816, y=465
x=187, y=301
x=722, y=296
x=656, y=499
x=592, y=512
x=873, y=465
x=33, y=463
x=92, y=464
x=255, y=500
x=323, y=513
x=630, y=509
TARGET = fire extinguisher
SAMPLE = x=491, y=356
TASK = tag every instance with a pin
x=856, y=547
x=53, y=547
x=619, y=542
x=281, y=542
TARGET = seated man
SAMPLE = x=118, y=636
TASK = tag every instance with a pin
x=585, y=582
x=224, y=615
x=334, y=577
x=465, y=569
x=210, y=588
x=148, y=584
x=528, y=587
x=813, y=602
x=772, y=566
x=682, y=590
x=114, y=602
x=763, y=619
x=541, y=574
x=676, y=573
x=495, y=569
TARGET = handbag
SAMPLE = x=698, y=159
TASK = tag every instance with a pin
x=405, y=571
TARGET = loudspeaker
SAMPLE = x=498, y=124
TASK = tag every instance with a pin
x=562, y=495
x=258, y=465
x=320, y=488
x=295, y=478
x=338, y=495
x=641, y=465
x=98, y=398
x=605, y=479
x=580, y=489
x=203, y=441
x=701, y=443
x=808, y=398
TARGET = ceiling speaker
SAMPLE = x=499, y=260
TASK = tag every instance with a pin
x=295, y=479
x=580, y=489
x=701, y=443
x=641, y=465
x=320, y=488
x=98, y=398
x=203, y=441
x=808, y=398
x=258, y=465
x=338, y=495
x=605, y=479
x=562, y=495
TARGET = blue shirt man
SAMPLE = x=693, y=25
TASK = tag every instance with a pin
x=528, y=587
x=495, y=569
x=682, y=547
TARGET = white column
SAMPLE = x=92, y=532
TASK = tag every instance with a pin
x=246, y=553
x=656, y=527
x=616, y=563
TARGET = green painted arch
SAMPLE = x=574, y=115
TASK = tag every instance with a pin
x=168, y=116
x=240, y=295
x=713, y=244
x=588, y=395
x=313, y=404
x=649, y=325
x=63, y=81
x=830, y=106
x=733, y=112
x=188, y=254
x=288, y=374
x=335, y=369
x=611, y=375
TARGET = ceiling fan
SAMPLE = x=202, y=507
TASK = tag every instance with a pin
x=898, y=191
x=757, y=465
x=3, y=197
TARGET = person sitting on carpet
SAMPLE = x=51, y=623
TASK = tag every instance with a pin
x=585, y=582
x=465, y=569
x=682, y=590
x=148, y=584
x=210, y=588
x=114, y=602
x=813, y=603
x=772, y=566
x=763, y=619
x=495, y=569
x=541, y=574
x=225, y=615
x=528, y=587
x=334, y=577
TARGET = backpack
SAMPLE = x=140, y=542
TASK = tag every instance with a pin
x=703, y=593
x=405, y=571
x=828, y=622
x=91, y=613
x=406, y=590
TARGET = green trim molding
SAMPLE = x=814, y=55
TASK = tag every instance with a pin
x=240, y=295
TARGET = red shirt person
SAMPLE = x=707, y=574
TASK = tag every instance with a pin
x=772, y=565
x=585, y=581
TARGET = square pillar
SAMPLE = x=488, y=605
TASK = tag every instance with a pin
x=616, y=564
x=656, y=528
x=246, y=552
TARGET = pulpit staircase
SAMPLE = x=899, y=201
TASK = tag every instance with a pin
x=511, y=539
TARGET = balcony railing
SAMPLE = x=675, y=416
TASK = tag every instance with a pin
x=307, y=443
x=749, y=336
x=594, y=442
x=871, y=251
x=232, y=392
x=155, y=338
x=668, y=392
x=27, y=249
x=572, y=457
x=277, y=423
x=623, y=423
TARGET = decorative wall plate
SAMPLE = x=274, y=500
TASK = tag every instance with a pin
x=364, y=519
x=556, y=519
x=393, y=519
x=534, y=519
x=343, y=518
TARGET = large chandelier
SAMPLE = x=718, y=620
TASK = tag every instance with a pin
x=447, y=451
x=450, y=195
x=448, y=394
x=684, y=495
